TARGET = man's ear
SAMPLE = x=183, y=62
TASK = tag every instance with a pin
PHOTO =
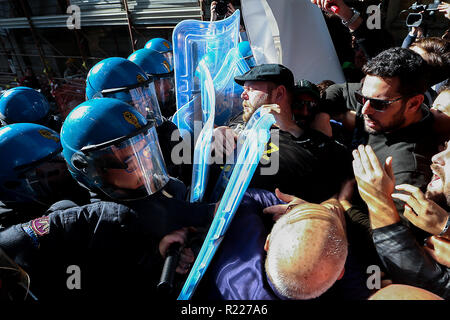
x=342, y=274
x=280, y=92
x=415, y=102
x=266, y=244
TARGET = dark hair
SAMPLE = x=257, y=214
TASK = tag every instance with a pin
x=322, y=86
x=406, y=65
x=437, y=56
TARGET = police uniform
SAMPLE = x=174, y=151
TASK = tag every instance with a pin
x=115, y=245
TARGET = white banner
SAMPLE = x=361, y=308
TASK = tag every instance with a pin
x=293, y=33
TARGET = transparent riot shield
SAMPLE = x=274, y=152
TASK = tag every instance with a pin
x=203, y=143
x=215, y=43
x=248, y=158
x=206, y=59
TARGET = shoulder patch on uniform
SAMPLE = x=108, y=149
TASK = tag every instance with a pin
x=41, y=226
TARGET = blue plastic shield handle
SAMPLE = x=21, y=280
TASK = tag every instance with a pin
x=203, y=143
x=224, y=177
x=224, y=88
x=247, y=161
x=228, y=92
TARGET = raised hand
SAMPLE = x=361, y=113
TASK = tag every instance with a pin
x=422, y=212
x=375, y=185
x=280, y=209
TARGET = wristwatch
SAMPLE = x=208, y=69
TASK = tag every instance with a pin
x=445, y=228
x=355, y=16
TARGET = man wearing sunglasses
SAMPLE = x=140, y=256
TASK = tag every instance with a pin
x=391, y=116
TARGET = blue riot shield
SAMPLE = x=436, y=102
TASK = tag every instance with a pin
x=248, y=158
x=206, y=55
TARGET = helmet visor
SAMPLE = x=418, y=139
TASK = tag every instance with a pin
x=43, y=182
x=165, y=91
x=131, y=169
x=47, y=178
x=169, y=57
x=142, y=97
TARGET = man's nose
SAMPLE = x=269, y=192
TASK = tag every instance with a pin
x=439, y=157
x=367, y=109
x=244, y=95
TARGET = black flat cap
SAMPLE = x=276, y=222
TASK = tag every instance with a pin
x=306, y=86
x=276, y=73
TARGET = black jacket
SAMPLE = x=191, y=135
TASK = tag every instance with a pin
x=114, y=245
x=408, y=263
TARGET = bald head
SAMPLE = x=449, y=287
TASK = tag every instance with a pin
x=306, y=251
x=403, y=292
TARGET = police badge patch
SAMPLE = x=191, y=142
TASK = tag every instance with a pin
x=48, y=135
x=131, y=118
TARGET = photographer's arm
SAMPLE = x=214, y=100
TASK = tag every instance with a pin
x=213, y=11
x=344, y=12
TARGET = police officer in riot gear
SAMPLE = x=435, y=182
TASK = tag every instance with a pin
x=113, y=150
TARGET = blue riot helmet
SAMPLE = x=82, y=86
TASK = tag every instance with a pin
x=157, y=66
x=109, y=146
x=162, y=46
x=246, y=52
x=23, y=104
x=32, y=167
x=122, y=79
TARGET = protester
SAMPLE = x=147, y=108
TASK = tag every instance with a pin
x=406, y=261
x=403, y=292
x=323, y=85
x=295, y=268
x=436, y=52
x=301, y=156
x=292, y=268
x=389, y=114
x=442, y=102
x=441, y=113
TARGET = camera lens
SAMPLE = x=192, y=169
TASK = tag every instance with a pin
x=221, y=8
x=414, y=20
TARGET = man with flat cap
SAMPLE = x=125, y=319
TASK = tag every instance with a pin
x=299, y=160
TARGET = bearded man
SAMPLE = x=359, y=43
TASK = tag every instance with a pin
x=299, y=160
x=406, y=260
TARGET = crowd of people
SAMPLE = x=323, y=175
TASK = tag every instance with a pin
x=90, y=205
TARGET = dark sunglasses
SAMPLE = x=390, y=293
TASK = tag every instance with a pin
x=377, y=104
